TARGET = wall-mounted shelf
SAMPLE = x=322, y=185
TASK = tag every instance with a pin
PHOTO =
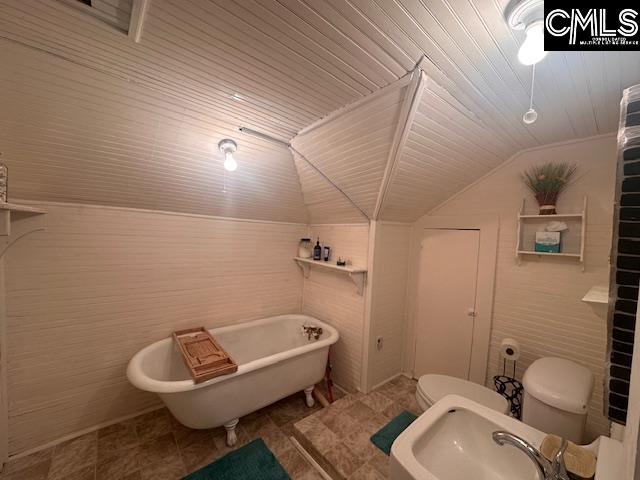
x=598, y=299
x=358, y=275
x=11, y=211
x=573, y=239
x=598, y=295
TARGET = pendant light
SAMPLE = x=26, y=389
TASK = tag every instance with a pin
x=229, y=147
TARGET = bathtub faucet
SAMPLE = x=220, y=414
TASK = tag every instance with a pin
x=312, y=331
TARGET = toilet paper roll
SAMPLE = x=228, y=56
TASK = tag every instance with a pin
x=510, y=349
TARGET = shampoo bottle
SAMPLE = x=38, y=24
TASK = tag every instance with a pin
x=317, y=251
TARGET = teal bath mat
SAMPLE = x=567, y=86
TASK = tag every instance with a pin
x=384, y=438
x=254, y=461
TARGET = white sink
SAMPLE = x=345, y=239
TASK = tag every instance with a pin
x=452, y=441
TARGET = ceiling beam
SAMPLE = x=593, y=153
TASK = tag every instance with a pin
x=405, y=121
x=136, y=21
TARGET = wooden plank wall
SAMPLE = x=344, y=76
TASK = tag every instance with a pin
x=388, y=310
x=102, y=282
x=332, y=297
x=539, y=302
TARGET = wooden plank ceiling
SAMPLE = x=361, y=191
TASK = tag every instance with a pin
x=203, y=68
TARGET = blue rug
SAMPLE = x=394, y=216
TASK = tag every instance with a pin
x=254, y=461
x=384, y=438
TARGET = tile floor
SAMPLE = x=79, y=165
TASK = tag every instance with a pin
x=155, y=446
x=338, y=437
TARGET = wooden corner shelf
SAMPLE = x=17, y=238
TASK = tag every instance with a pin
x=575, y=250
x=9, y=211
x=358, y=275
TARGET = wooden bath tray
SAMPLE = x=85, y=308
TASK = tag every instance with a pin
x=203, y=356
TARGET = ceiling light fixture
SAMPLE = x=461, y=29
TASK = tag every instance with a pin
x=229, y=147
x=527, y=15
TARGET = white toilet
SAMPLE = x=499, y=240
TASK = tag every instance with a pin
x=556, y=397
x=432, y=388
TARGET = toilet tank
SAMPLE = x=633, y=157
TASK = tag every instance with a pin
x=556, y=397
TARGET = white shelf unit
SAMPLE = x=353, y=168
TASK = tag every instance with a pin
x=358, y=275
x=572, y=241
x=9, y=210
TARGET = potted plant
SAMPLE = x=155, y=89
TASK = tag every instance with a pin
x=547, y=181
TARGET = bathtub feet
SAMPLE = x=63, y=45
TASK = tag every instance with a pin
x=230, y=427
x=309, y=394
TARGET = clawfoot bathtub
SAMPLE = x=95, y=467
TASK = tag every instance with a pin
x=275, y=359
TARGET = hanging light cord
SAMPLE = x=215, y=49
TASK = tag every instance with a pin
x=533, y=78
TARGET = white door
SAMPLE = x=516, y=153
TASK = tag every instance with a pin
x=447, y=280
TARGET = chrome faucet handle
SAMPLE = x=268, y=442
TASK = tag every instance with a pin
x=558, y=467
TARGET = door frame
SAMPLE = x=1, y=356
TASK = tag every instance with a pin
x=488, y=226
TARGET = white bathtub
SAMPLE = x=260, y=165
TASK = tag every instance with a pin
x=274, y=360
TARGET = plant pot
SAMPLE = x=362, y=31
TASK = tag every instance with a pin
x=547, y=202
x=547, y=210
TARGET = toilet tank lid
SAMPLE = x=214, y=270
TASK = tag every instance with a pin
x=560, y=383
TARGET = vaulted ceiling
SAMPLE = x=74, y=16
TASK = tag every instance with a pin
x=88, y=115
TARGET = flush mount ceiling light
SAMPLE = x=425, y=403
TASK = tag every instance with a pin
x=229, y=147
x=527, y=15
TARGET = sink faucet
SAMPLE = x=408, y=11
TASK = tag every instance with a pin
x=547, y=470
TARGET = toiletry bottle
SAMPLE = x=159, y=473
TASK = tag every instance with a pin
x=317, y=251
x=327, y=253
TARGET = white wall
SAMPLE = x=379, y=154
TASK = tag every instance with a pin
x=539, y=302
x=332, y=297
x=389, y=288
x=103, y=282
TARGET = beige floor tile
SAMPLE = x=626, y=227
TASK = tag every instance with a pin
x=198, y=455
x=294, y=463
x=255, y=424
x=380, y=462
x=112, y=440
x=187, y=436
x=86, y=473
x=277, y=442
x=118, y=464
x=220, y=441
x=322, y=438
x=307, y=423
x=35, y=471
x=341, y=424
x=172, y=469
x=367, y=472
x=310, y=475
x=359, y=442
x=153, y=425
x=359, y=411
x=344, y=460
x=161, y=449
x=73, y=455
x=28, y=461
x=377, y=401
